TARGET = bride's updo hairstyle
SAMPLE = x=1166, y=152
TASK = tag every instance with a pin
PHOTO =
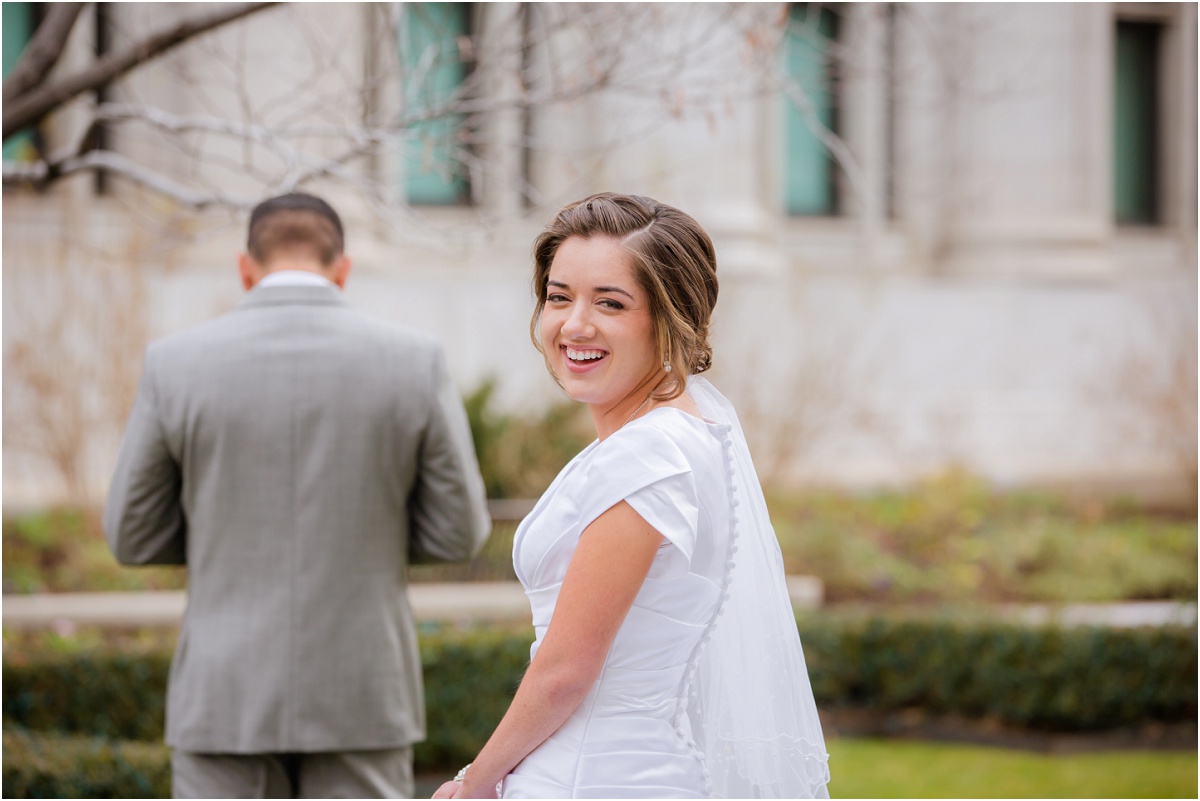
x=673, y=261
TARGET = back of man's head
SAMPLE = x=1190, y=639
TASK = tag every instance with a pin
x=295, y=224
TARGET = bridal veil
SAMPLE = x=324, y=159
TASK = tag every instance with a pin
x=750, y=702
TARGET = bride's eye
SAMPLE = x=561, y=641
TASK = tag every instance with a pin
x=556, y=298
x=615, y=305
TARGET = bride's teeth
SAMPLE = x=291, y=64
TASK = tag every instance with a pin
x=583, y=355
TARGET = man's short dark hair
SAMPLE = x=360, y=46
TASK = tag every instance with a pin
x=295, y=222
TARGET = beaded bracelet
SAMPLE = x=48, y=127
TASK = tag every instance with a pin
x=462, y=774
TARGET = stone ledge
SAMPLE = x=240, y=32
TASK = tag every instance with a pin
x=476, y=601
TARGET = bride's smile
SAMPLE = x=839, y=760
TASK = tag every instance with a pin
x=597, y=327
x=581, y=360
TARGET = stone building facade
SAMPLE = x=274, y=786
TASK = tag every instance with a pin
x=949, y=235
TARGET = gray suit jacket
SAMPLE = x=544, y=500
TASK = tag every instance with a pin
x=296, y=455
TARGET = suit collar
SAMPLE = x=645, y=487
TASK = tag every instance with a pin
x=292, y=296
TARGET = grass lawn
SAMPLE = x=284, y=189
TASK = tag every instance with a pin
x=871, y=768
x=44, y=765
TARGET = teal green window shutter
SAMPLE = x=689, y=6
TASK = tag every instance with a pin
x=434, y=68
x=1135, y=168
x=809, y=185
x=18, y=28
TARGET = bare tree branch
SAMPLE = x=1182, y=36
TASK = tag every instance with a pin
x=309, y=126
x=42, y=172
x=29, y=109
x=43, y=51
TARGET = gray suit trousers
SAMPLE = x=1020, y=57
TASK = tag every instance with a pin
x=385, y=773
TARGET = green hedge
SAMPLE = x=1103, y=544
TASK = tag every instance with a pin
x=117, y=692
x=83, y=767
x=103, y=692
x=1066, y=679
x=1051, y=678
x=470, y=677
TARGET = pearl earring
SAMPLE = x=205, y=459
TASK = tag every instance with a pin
x=667, y=365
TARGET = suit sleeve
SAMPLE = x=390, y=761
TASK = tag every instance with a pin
x=448, y=505
x=143, y=517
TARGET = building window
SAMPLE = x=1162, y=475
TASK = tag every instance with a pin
x=1136, y=156
x=436, y=54
x=20, y=21
x=811, y=104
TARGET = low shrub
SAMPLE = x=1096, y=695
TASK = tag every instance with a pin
x=63, y=550
x=1050, y=678
x=116, y=690
x=520, y=455
x=954, y=538
x=470, y=678
x=492, y=563
x=83, y=767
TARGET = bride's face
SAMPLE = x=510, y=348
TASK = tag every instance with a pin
x=596, y=327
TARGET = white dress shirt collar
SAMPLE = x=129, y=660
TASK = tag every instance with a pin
x=295, y=278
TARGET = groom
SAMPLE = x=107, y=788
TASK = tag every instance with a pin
x=296, y=455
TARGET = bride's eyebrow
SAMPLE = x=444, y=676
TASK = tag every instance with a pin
x=603, y=289
x=599, y=289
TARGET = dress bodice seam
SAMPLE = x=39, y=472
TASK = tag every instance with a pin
x=664, y=616
x=588, y=722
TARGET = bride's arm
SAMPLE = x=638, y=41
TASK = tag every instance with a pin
x=608, y=568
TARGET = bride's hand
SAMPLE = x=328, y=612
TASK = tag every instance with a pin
x=455, y=790
x=447, y=790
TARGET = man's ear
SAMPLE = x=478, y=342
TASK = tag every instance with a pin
x=249, y=270
x=341, y=269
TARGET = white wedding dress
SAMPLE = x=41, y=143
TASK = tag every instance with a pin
x=639, y=732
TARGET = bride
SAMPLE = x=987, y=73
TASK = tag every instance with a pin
x=666, y=661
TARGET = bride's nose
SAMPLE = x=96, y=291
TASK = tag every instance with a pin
x=578, y=324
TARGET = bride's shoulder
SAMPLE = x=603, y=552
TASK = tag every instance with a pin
x=656, y=438
x=665, y=436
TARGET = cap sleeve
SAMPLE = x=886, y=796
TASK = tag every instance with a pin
x=644, y=467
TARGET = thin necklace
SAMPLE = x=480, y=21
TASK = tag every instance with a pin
x=635, y=411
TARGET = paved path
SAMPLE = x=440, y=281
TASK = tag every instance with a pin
x=494, y=601
x=476, y=601
x=1126, y=615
